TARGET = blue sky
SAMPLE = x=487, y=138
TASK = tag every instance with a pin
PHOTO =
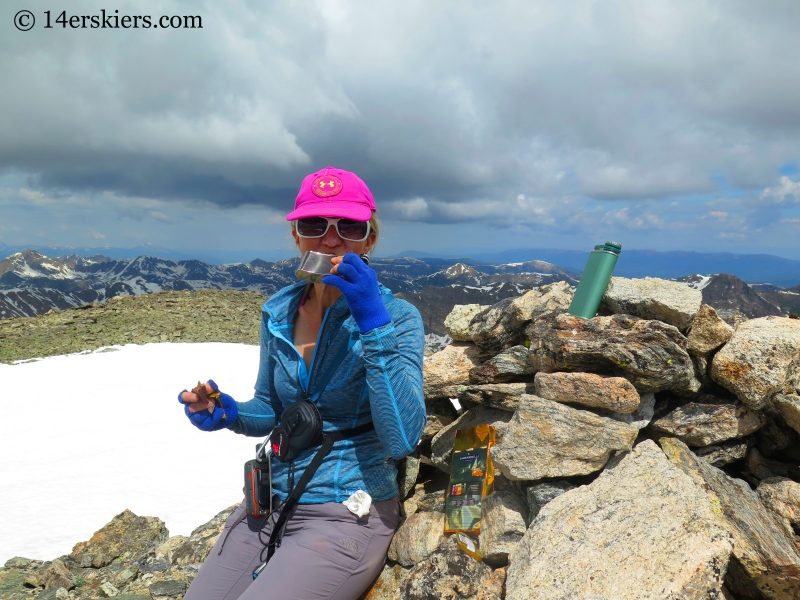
x=663, y=125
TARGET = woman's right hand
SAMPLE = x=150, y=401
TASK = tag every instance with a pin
x=205, y=413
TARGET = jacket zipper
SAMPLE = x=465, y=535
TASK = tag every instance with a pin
x=307, y=392
x=278, y=334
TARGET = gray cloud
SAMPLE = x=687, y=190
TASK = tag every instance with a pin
x=450, y=111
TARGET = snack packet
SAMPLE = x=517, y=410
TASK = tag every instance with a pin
x=471, y=479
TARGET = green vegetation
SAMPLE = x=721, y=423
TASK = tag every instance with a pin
x=201, y=316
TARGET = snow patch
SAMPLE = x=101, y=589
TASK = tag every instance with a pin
x=699, y=284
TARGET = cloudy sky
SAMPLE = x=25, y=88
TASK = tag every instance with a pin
x=662, y=124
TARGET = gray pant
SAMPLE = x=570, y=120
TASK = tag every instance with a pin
x=326, y=553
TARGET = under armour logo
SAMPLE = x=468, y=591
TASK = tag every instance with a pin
x=325, y=186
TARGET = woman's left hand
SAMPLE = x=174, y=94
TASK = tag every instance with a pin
x=359, y=284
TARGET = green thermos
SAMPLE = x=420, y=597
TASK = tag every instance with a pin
x=594, y=281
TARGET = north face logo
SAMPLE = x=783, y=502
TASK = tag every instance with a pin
x=350, y=545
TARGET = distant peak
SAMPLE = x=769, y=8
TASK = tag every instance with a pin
x=459, y=269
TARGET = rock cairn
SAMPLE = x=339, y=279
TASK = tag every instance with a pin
x=652, y=452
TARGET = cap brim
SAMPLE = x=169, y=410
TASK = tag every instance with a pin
x=342, y=210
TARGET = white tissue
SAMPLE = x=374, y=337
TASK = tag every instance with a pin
x=359, y=503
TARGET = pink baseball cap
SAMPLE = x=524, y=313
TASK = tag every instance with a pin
x=333, y=192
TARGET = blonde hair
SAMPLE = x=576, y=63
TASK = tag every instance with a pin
x=374, y=226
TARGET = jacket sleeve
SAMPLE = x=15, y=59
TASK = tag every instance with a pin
x=393, y=356
x=257, y=416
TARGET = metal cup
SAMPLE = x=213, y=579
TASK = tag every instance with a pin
x=315, y=265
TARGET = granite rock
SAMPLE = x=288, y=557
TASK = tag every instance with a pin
x=502, y=324
x=166, y=550
x=764, y=559
x=540, y=494
x=433, y=425
x=407, y=473
x=708, y=333
x=425, y=502
x=760, y=360
x=616, y=394
x=649, y=354
x=447, y=370
x=125, y=535
x=722, y=454
x=511, y=364
x=109, y=590
x=640, y=530
x=457, y=322
x=431, y=502
x=195, y=549
x=58, y=575
x=385, y=587
x=781, y=495
x=757, y=466
x=417, y=537
x=789, y=407
x=447, y=574
x=642, y=416
x=504, y=518
x=168, y=588
x=652, y=298
x=697, y=424
x=504, y=396
x=549, y=439
x=20, y=562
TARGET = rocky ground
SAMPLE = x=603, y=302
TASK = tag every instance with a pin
x=201, y=316
x=652, y=453
x=131, y=558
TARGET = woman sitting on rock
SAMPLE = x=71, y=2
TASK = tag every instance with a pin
x=355, y=352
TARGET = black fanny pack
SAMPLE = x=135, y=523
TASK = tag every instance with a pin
x=300, y=428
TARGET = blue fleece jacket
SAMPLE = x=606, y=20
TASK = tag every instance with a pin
x=379, y=380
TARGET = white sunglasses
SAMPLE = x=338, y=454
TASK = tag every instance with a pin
x=348, y=229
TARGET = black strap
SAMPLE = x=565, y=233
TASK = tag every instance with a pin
x=328, y=439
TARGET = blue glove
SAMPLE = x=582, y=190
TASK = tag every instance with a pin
x=359, y=284
x=221, y=418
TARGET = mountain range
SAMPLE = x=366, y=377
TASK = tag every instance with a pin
x=32, y=283
x=212, y=257
x=752, y=268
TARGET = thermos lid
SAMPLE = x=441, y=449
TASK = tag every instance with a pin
x=612, y=247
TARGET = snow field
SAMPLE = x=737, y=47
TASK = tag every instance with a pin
x=84, y=437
